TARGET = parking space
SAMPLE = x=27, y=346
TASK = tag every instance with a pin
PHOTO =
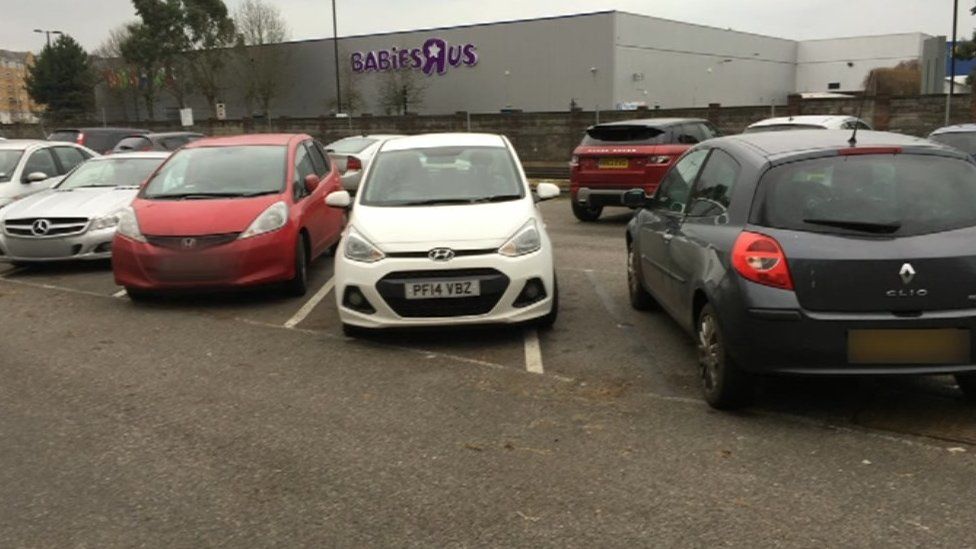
x=599, y=342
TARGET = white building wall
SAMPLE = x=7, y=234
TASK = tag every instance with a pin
x=848, y=61
x=685, y=65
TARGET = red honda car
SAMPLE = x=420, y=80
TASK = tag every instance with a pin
x=230, y=212
x=617, y=157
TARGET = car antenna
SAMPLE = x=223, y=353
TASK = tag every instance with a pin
x=853, y=140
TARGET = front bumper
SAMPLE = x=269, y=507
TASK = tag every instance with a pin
x=516, y=273
x=255, y=261
x=88, y=246
x=788, y=339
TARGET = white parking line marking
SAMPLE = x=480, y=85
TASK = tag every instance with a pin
x=533, y=353
x=120, y=294
x=309, y=306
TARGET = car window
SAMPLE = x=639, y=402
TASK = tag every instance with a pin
x=710, y=131
x=686, y=134
x=713, y=193
x=134, y=143
x=964, y=141
x=8, y=164
x=350, y=145
x=673, y=193
x=884, y=194
x=318, y=161
x=69, y=158
x=862, y=126
x=41, y=161
x=624, y=134
x=303, y=168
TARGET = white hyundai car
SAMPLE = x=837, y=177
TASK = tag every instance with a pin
x=445, y=231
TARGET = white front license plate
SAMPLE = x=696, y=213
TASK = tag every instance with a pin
x=442, y=289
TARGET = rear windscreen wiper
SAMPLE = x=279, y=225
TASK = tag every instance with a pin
x=863, y=226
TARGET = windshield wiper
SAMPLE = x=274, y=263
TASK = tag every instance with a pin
x=434, y=201
x=497, y=198
x=863, y=226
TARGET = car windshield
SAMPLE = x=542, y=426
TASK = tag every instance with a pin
x=624, y=134
x=964, y=141
x=117, y=172
x=885, y=194
x=783, y=128
x=351, y=145
x=135, y=143
x=8, y=163
x=443, y=175
x=214, y=172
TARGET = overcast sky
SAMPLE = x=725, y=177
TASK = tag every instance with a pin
x=89, y=20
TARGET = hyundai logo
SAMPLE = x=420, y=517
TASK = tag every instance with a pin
x=189, y=243
x=907, y=273
x=40, y=227
x=441, y=254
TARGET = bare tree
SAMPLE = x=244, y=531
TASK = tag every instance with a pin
x=352, y=97
x=263, y=62
x=401, y=92
x=905, y=78
x=112, y=72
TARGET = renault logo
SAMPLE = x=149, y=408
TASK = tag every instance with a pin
x=441, y=254
x=40, y=227
x=907, y=273
x=189, y=243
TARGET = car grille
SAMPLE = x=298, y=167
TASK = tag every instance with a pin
x=457, y=253
x=493, y=286
x=188, y=243
x=55, y=226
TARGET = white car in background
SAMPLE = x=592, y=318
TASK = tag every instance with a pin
x=445, y=231
x=31, y=166
x=808, y=122
x=76, y=219
x=352, y=156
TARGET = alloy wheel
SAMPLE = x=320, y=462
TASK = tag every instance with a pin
x=709, y=351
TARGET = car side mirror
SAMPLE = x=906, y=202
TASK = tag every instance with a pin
x=35, y=177
x=339, y=199
x=635, y=198
x=311, y=182
x=547, y=191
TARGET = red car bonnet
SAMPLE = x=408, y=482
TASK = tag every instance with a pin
x=199, y=217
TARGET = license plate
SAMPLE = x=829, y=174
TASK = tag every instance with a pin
x=442, y=289
x=936, y=346
x=614, y=163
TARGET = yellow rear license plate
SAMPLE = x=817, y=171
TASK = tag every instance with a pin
x=614, y=164
x=937, y=346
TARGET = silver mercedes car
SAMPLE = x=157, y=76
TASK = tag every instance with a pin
x=76, y=219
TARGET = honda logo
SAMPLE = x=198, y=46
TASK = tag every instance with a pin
x=189, y=243
x=441, y=254
x=40, y=227
x=907, y=273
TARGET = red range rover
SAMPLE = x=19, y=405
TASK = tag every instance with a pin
x=614, y=158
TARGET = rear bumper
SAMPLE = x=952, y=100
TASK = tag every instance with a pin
x=799, y=342
x=599, y=198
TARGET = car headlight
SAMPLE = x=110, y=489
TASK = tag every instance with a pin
x=128, y=225
x=357, y=248
x=105, y=222
x=526, y=240
x=270, y=220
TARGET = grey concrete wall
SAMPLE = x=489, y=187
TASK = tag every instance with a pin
x=849, y=60
x=681, y=65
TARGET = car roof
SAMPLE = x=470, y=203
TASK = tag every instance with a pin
x=101, y=129
x=957, y=128
x=166, y=134
x=21, y=144
x=772, y=145
x=281, y=139
x=133, y=155
x=432, y=140
x=652, y=122
x=807, y=119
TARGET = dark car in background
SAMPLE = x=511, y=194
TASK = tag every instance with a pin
x=798, y=253
x=616, y=157
x=100, y=140
x=160, y=142
x=960, y=136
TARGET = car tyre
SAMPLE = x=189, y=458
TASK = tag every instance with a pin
x=298, y=285
x=724, y=385
x=640, y=298
x=967, y=384
x=548, y=321
x=139, y=296
x=587, y=214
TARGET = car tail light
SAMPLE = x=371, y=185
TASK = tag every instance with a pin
x=860, y=151
x=760, y=258
x=658, y=160
x=574, y=161
x=81, y=138
x=353, y=164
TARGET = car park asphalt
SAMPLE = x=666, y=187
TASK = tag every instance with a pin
x=248, y=419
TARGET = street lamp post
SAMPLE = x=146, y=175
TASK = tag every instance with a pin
x=48, y=33
x=952, y=61
x=335, y=44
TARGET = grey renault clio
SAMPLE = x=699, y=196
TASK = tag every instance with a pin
x=813, y=253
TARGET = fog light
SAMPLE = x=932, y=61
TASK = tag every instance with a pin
x=103, y=248
x=354, y=299
x=533, y=292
